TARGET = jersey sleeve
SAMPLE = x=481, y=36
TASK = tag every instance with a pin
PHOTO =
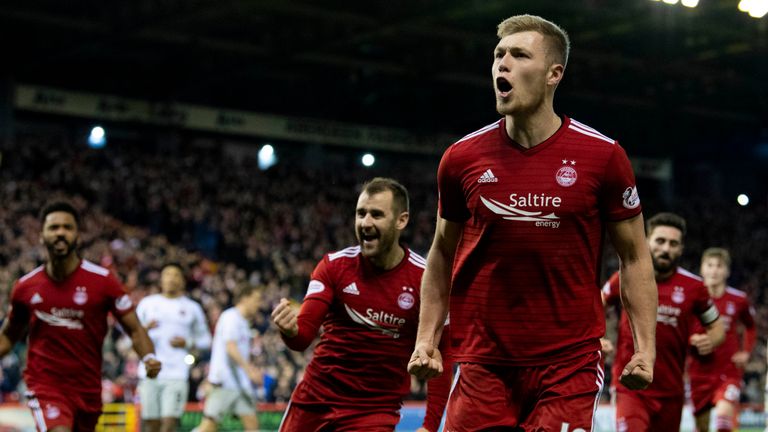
x=119, y=301
x=747, y=318
x=704, y=307
x=451, y=202
x=317, y=302
x=611, y=291
x=747, y=315
x=201, y=333
x=619, y=199
x=321, y=282
x=310, y=317
x=18, y=316
x=141, y=311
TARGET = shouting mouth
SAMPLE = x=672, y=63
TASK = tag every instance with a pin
x=503, y=87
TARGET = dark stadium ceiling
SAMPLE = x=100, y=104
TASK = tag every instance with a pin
x=421, y=64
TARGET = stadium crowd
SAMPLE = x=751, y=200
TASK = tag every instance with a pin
x=228, y=223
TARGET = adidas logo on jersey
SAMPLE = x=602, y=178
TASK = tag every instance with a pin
x=351, y=289
x=487, y=177
x=37, y=298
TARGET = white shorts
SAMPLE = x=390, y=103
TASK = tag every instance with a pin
x=221, y=401
x=162, y=398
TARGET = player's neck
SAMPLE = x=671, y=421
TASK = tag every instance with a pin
x=389, y=260
x=530, y=130
x=666, y=275
x=171, y=295
x=60, y=269
x=716, y=291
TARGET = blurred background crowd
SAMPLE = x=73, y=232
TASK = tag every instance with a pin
x=229, y=223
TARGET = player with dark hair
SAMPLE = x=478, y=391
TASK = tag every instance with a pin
x=716, y=377
x=524, y=204
x=366, y=297
x=682, y=298
x=63, y=306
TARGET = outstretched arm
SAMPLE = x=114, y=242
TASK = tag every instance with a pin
x=639, y=297
x=426, y=361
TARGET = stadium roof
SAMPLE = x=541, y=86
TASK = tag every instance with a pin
x=420, y=64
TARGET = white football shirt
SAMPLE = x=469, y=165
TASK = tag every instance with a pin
x=178, y=316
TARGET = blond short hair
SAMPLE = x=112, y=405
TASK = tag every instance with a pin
x=559, y=43
x=719, y=253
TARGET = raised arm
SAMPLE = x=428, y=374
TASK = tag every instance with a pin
x=299, y=329
x=426, y=361
x=639, y=297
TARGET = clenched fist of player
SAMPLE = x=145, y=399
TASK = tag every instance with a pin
x=702, y=342
x=426, y=362
x=152, y=365
x=638, y=373
x=284, y=316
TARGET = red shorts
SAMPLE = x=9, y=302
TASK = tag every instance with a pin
x=310, y=418
x=77, y=411
x=706, y=392
x=635, y=411
x=559, y=397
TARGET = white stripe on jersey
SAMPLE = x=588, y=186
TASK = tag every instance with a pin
x=32, y=273
x=685, y=272
x=37, y=413
x=592, y=134
x=349, y=252
x=600, y=381
x=416, y=263
x=453, y=386
x=285, y=415
x=734, y=291
x=492, y=126
x=588, y=128
x=417, y=257
x=93, y=268
x=607, y=288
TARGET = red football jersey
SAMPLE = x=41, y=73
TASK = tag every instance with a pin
x=369, y=331
x=67, y=323
x=525, y=288
x=734, y=308
x=682, y=298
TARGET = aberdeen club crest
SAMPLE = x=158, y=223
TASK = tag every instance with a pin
x=566, y=175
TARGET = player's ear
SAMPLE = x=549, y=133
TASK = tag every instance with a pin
x=402, y=220
x=555, y=74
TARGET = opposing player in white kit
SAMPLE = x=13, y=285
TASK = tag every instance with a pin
x=175, y=324
x=231, y=373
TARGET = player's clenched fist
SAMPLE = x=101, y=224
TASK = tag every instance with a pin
x=426, y=362
x=284, y=317
x=152, y=365
x=638, y=373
